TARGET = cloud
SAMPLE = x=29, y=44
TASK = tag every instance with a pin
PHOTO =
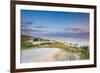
x=32, y=25
x=34, y=31
x=77, y=30
x=30, y=30
x=40, y=26
x=26, y=23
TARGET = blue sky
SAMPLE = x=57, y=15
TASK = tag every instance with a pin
x=54, y=22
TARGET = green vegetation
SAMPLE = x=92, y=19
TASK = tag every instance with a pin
x=26, y=45
x=40, y=39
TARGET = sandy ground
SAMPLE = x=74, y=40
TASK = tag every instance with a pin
x=48, y=54
x=59, y=55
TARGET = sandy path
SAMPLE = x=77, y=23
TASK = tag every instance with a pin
x=59, y=55
x=48, y=54
x=31, y=55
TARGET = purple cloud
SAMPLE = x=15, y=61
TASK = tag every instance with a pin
x=77, y=30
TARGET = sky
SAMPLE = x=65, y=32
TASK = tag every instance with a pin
x=42, y=22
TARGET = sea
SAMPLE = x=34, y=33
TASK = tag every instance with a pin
x=81, y=39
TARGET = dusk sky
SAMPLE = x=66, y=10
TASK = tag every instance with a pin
x=52, y=22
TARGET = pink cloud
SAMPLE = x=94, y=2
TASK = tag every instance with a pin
x=77, y=30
